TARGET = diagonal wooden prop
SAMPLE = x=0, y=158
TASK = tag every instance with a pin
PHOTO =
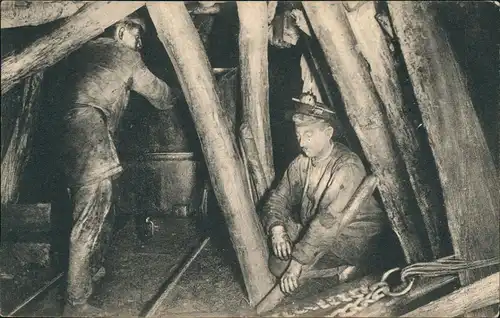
x=90, y=20
x=362, y=194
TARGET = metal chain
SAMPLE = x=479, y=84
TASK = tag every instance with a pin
x=360, y=298
x=351, y=302
x=357, y=299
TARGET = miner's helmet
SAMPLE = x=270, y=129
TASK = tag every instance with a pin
x=308, y=110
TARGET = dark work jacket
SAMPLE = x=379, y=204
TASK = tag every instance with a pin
x=332, y=182
x=103, y=72
x=99, y=80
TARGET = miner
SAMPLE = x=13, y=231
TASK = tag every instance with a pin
x=312, y=194
x=98, y=84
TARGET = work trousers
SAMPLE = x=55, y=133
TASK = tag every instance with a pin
x=91, y=204
x=278, y=266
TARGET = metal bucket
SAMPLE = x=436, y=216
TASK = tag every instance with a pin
x=162, y=183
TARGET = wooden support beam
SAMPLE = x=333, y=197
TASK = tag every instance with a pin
x=31, y=13
x=18, y=151
x=90, y=21
x=465, y=165
x=260, y=180
x=178, y=34
x=253, y=42
x=375, y=47
x=480, y=294
x=229, y=93
x=363, y=105
x=26, y=217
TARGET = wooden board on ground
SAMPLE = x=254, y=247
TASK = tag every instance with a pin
x=26, y=217
x=482, y=293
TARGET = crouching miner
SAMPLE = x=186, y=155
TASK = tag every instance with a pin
x=314, y=190
x=99, y=81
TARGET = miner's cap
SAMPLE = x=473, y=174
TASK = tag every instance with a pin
x=307, y=105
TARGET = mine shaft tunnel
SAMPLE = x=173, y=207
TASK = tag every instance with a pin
x=173, y=193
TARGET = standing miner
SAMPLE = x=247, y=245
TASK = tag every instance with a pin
x=101, y=76
x=319, y=183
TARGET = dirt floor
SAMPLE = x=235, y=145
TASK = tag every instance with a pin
x=136, y=272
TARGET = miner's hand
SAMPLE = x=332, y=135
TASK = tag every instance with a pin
x=290, y=279
x=282, y=246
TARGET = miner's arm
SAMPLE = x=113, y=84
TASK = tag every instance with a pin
x=156, y=91
x=279, y=205
x=318, y=236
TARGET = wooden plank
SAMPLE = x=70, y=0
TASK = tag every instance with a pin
x=178, y=35
x=17, y=154
x=482, y=293
x=253, y=56
x=465, y=165
x=26, y=217
x=90, y=21
x=27, y=252
x=375, y=47
x=363, y=105
x=31, y=13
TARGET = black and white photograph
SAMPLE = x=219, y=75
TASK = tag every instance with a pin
x=250, y=158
